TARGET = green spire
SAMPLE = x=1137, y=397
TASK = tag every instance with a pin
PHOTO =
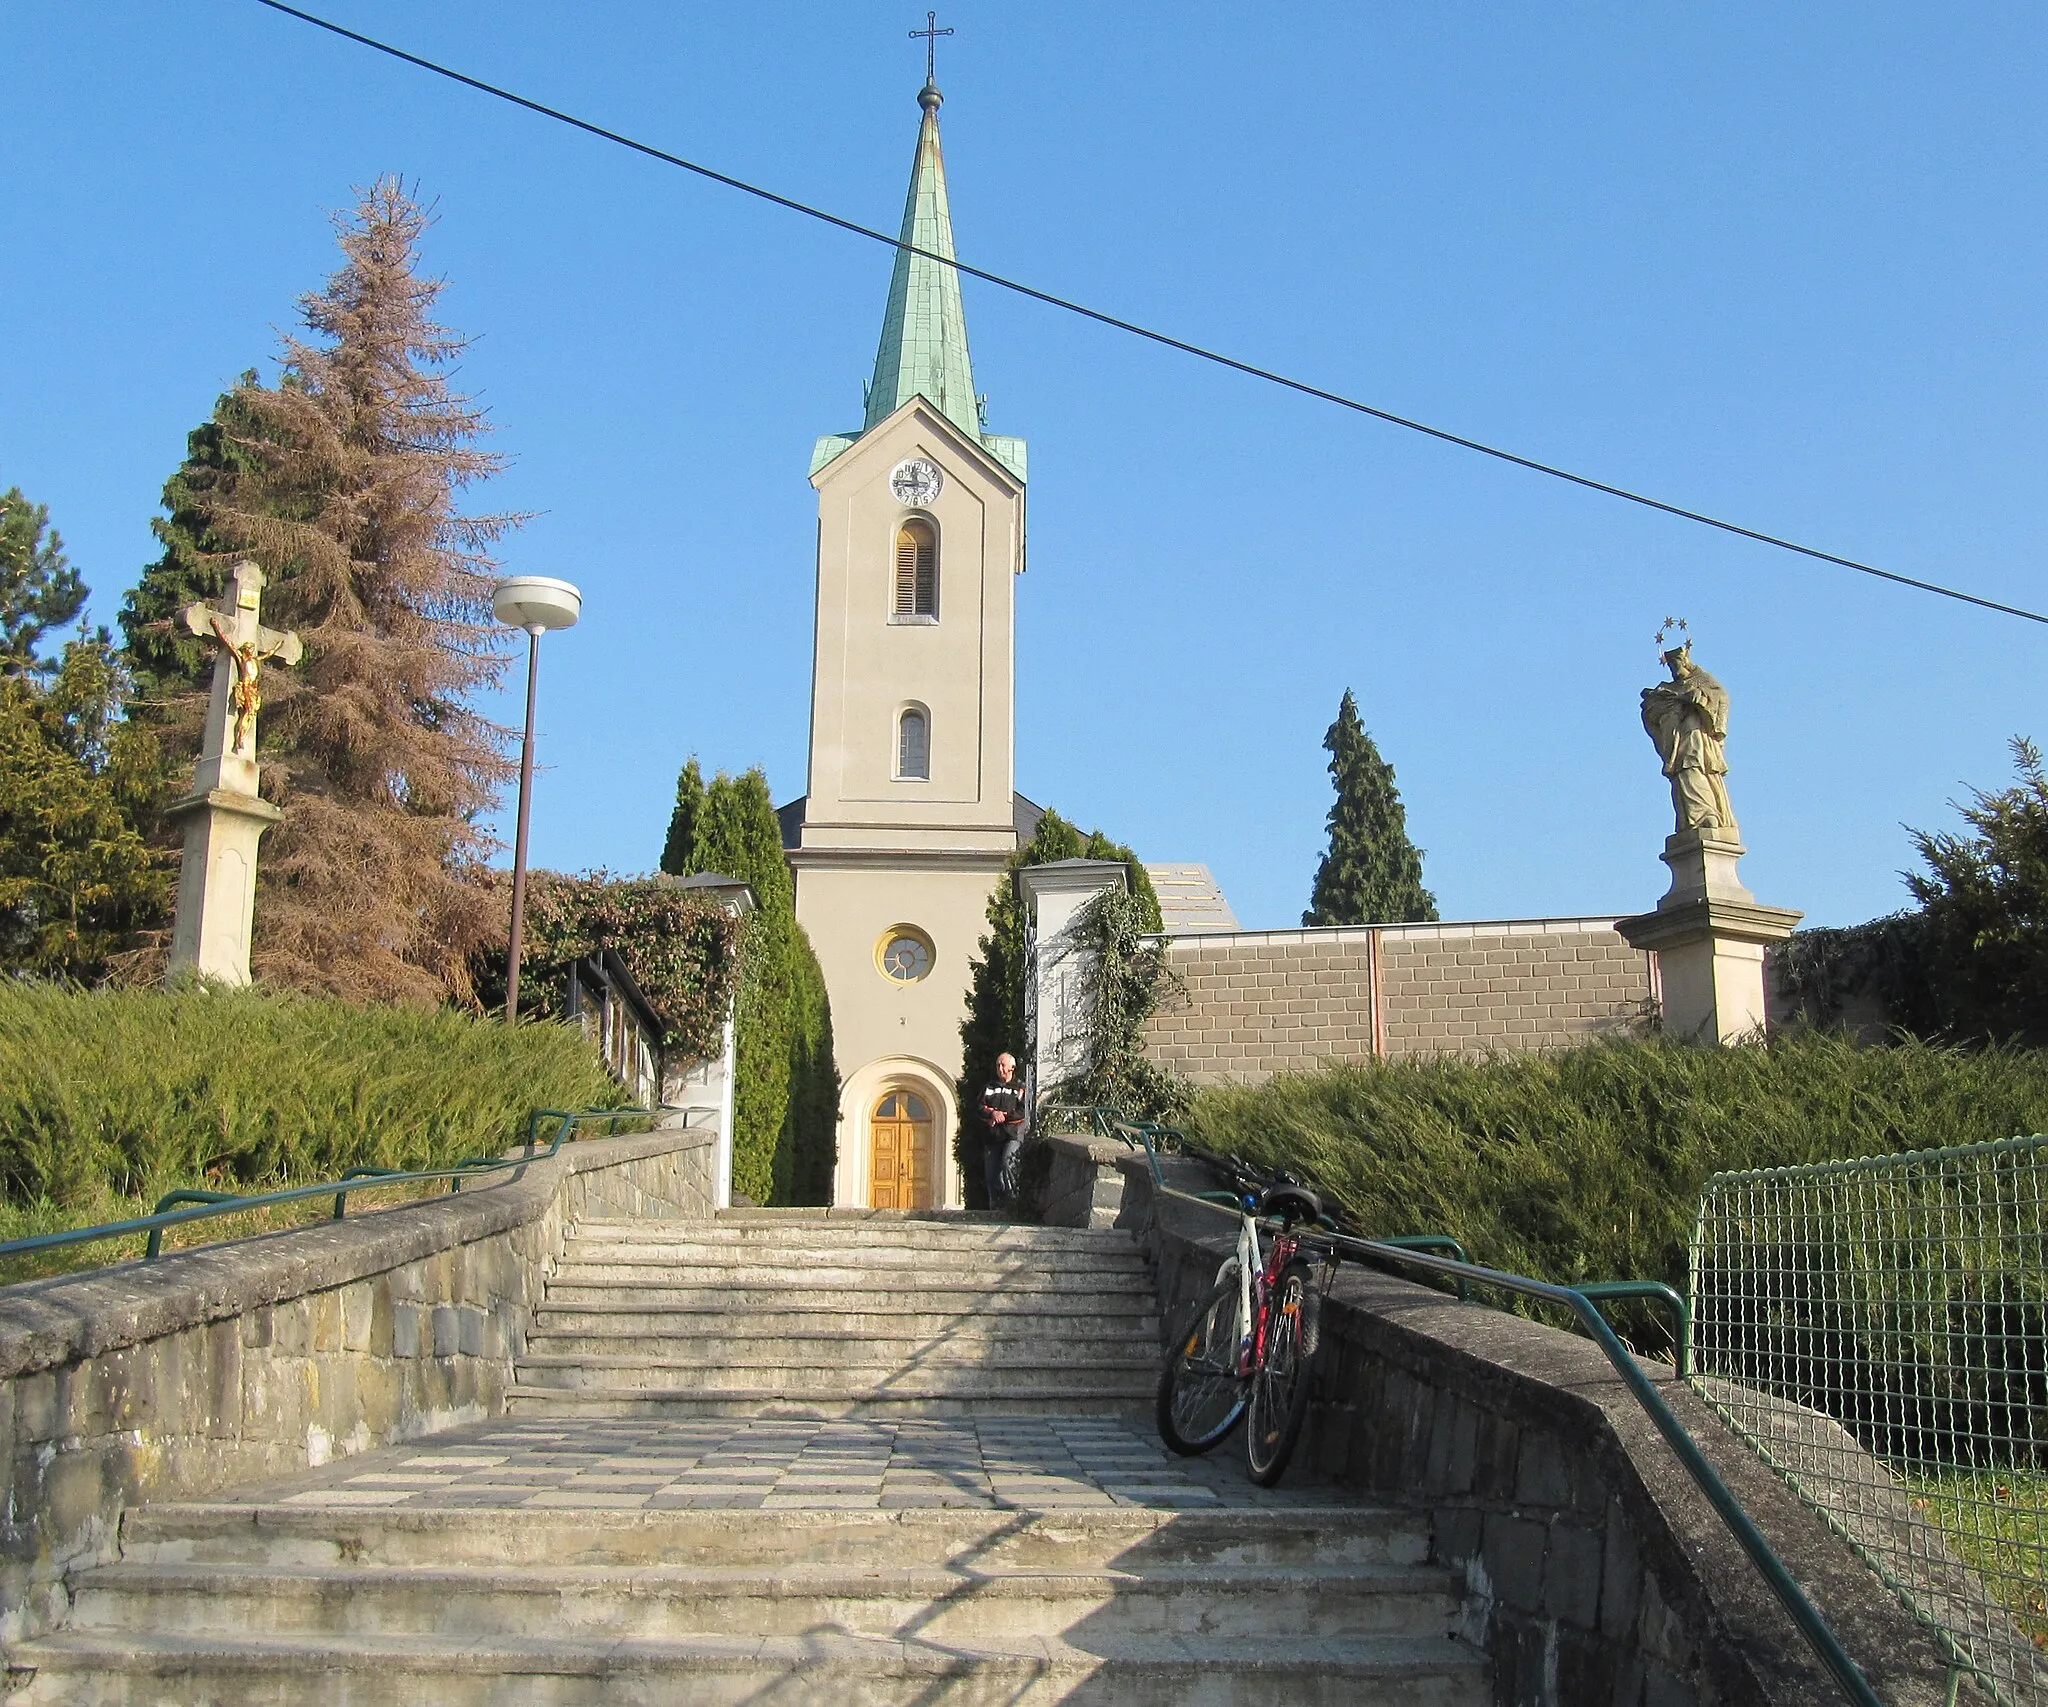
x=924, y=332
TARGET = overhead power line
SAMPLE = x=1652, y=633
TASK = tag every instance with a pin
x=1167, y=339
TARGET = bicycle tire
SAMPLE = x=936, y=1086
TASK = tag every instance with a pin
x=1201, y=1395
x=1277, y=1403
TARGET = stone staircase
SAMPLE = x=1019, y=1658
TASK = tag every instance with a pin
x=793, y=1313
x=946, y=1503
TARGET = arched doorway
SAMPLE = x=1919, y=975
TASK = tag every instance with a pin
x=900, y=1132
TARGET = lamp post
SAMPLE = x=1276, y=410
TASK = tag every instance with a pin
x=535, y=603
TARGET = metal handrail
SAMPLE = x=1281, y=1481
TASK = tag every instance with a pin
x=1580, y=1301
x=205, y=1204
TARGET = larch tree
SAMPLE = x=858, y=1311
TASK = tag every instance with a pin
x=342, y=482
x=39, y=590
x=1371, y=873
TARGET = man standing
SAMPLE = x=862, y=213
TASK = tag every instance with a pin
x=1002, y=1123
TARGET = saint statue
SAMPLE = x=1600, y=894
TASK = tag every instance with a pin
x=1687, y=718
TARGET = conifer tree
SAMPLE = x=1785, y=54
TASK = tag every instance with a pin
x=164, y=659
x=77, y=880
x=39, y=590
x=342, y=482
x=682, y=822
x=786, y=1107
x=1371, y=873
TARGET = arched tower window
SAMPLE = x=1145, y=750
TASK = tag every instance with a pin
x=917, y=570
x=913, y=746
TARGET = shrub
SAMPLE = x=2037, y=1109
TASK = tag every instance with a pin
x=109, y=1098
x=1586, y=1164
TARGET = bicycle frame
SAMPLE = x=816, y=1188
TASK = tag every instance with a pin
x=1258, y=1273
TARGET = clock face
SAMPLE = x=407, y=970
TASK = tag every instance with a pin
x=916, y=482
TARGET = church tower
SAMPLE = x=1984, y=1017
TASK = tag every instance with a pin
x=912, y=808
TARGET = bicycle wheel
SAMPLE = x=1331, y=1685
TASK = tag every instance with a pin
x=1201, y=1394
x=1278, y=1402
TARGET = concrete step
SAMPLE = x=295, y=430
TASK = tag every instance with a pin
x=721, y=1261
x=956, y=1377
x=1121, y=1398
x=866, y=1234
x=1094, y=1538
x=765, y=1293
x=718, y=1671
x=975, y=1608
x=968, y=1343
x=879, y=1317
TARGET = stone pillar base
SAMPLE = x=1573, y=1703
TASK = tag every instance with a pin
x=1708, y=934
x=217, y=882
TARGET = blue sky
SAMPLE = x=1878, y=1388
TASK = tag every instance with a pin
x=1781, y=262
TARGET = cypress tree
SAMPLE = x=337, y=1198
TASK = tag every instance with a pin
x=344, y=486
x=39, y=590
x=682, y=822
x=786, y=1103
x=1372, y=872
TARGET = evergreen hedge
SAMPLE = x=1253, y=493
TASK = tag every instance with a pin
x=1587, y=1164
x=110, y=1098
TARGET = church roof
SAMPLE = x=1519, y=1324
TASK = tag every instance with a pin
x=923, y=352
x=924, y=329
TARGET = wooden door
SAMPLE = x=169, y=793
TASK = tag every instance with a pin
x=900, y=1171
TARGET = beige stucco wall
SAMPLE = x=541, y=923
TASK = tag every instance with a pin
x=868, y=667
x=1265, y=1002
x=876, y=851
x=887, y=1033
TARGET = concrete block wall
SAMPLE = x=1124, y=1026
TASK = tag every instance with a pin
x=240, y=1362
x=1258, y=1003
x=1523, y=984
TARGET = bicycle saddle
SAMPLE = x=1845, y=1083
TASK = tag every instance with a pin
x=1290, y=1203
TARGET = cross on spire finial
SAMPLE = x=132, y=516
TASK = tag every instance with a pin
x=931, y=33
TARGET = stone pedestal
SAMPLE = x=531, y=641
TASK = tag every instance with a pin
x=1059, y=977
x=217, y=882
x=1708, y=934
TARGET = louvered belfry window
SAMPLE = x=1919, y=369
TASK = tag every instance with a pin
x=913, y=747
x=917, y=570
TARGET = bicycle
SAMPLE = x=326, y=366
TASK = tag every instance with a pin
x=1249, y=1346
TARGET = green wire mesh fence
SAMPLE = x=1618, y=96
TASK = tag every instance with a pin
x=1878, y=1331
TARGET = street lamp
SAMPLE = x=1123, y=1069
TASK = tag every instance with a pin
x=535, y=603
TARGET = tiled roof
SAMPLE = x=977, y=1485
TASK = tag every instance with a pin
x=1189, y=898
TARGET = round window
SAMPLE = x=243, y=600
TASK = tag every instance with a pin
x=904, y=954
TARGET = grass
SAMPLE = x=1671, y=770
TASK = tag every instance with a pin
x=1997, y=1523
x=109, y=1099
x=1586, y=1164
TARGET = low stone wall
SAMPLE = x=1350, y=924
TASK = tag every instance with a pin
x=1597, y=1573
x=1075, y=1182
x=1264, y=1002
x=239, y=1362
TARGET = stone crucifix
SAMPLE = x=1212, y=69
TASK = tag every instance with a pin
x=224, y=816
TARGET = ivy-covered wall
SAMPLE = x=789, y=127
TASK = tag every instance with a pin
x=682, y=948
x=995, y=994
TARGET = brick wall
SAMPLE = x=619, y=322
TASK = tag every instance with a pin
x=1265, y=1002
